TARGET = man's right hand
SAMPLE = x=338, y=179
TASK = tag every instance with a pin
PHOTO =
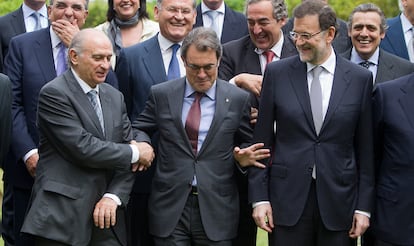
x=249, y=82
x=146, y=156
x=31, y=164
x=263, y=216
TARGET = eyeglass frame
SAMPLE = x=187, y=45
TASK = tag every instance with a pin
x=196, y=68
x=304, y=35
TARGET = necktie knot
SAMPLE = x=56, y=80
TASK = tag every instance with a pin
x=365, y=64
x=269, y=54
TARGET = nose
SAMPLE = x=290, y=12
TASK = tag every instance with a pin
x=257, y=29
x=201, y=73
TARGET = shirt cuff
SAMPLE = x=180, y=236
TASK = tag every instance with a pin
x=135, y=153
x=28, y=154
x=368, y=214
x=255, y=204
x=232, y=81
x=113, y=197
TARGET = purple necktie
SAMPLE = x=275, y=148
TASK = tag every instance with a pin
x=61, y=59
x=192, y=122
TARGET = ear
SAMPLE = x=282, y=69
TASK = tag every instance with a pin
x=156, y=12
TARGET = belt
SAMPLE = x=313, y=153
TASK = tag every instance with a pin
x=194, y=190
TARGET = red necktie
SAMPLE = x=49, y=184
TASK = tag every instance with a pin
x=192, y=122
x=269, y=56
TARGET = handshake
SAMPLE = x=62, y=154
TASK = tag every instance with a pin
x=146, y=156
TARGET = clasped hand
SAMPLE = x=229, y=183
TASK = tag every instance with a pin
x=146, y=156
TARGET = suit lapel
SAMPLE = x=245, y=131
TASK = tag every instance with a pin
x=153, y=59
x=18, y=21
x=44, y=54
x=407, y=100
x=252, y=62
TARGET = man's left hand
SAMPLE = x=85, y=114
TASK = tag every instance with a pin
x=360, y=224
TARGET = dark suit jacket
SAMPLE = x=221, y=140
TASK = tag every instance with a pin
x=11, y=25
x=29, y=65
x=341, y=43
x=342, y=153
x=394, y=41
x=78, y=164
x=176, y=164
x=393, y=219
x=239, y=57
x=389, y=66
x=5, y=116
x=234, y=25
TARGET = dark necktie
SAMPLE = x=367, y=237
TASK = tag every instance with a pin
x=192, y=122
x=365, y=64
x=61, y=59
x=174, y=67
x=316, y=99
x=93, y=98
x=269, y=56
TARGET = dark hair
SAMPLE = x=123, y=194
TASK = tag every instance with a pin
x=110, y=14
x=279, y=8
x=326, y=14
x=368, y=7
x=203, y=39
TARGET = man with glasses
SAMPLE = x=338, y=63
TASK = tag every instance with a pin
x=139, y=67
x=318, y=187
x=200, y=119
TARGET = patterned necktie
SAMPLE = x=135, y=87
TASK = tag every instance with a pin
x=93, y=98
x=269, y=54
x=38, y=24
x=212, y=14
x=192, y=122
x=316, y=99
x=174, y=67
x=365, y=64
x=61, y=59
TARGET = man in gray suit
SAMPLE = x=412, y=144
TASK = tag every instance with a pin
x=86, y=153
x=200, y=120
x=366, y=27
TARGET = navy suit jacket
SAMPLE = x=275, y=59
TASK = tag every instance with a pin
x=234, y=25
x=394, y=41
x=11, y=25
x=214, y=164
x=138, y=68
x=29, y=65
x=5, y=116
x=239, y=57
x=393, y=219
x=389, y=66
x=342, y=152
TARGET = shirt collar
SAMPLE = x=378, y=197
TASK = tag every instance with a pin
x=85, y=87
x=211, y=93
x=329, y=64
x=355, y=58
x=277, y=48
x=27, y=11
x=165, y=44
x=405, y=23
x=205, y=9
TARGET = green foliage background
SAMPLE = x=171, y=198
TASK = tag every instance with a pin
x=97, y=8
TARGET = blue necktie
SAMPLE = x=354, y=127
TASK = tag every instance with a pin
x=61, y=59
x=38, y=24
x=93, y=98
x=212, y=14
x=174, y=67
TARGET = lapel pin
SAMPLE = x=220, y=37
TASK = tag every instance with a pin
x=227, y=100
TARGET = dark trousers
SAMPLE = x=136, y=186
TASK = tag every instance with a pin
x=310, y=230
x=382, y=243
x=189, y=230
x=137, y=221
x=21, y=198
x=40, y=241
x=7, y=215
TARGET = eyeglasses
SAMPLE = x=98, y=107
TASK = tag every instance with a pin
x=196, y=68
x=303, y=36
x=176, y=11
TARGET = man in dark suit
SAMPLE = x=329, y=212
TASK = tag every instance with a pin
x=86, y=153
x=228, y=24
x=318, y=187
x=244, y=60
x=341, y=42
x=393, y=217
x=31, y=62
x=20, y=21
x=200, y=119
x=367, y=26
x=12, y=24
x=399, y=37
x=243, y=63
x=5, y=115
x=138, y=68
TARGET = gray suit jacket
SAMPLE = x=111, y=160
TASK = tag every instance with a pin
x=389, y=66
x=11, y=25
x=78, y=164
x=214, y=165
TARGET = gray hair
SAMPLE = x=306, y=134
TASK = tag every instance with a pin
x=279, y=8
x=86, y=4
x=159, y=3
x=368, y=7
x=203, y=39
